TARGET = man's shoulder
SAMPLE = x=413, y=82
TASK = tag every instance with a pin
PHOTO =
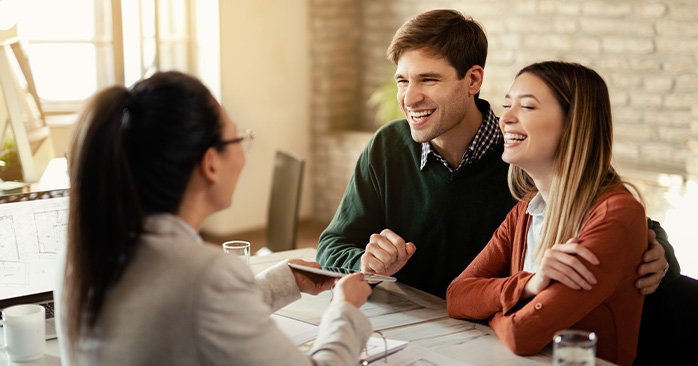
x=390, y=148
x=396, y=128
x=392, y=136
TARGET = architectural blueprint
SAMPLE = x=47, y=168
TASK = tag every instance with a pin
x=32, y=234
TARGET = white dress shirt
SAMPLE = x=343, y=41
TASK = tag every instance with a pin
x=536, y=208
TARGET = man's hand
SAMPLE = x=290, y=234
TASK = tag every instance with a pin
x=386, y=253
x=560, y=263
x=654, y=266
x=311, y=283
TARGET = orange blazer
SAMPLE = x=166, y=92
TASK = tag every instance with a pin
x=615, y=230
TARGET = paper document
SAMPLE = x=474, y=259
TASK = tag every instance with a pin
x=31, y=234
x=298, y=331
x=419, y=356
x=303, y=335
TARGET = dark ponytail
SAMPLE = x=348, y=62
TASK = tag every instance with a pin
x=133, y=154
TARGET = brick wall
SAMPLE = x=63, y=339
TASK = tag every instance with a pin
x=336, y=72
x=692, y=162
x=647, y=51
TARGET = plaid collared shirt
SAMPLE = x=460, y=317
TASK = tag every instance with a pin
x=486, y=138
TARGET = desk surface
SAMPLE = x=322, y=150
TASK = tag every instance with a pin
x=399, y=312
x=405, y=313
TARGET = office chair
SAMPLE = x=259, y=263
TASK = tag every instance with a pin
x=282, y=214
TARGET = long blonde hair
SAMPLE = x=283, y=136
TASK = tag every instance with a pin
x=583, y=167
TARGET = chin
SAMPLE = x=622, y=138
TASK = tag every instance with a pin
x=420, y=136
x=507, y=159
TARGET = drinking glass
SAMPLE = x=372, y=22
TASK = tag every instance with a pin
x=239, y=248
x=574, y=347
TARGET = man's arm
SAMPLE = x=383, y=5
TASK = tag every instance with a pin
x=359, y=215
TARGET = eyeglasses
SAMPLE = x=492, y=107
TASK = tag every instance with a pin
x=245, y=139
x=372, y=352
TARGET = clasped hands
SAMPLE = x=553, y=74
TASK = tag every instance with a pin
x=386, y=253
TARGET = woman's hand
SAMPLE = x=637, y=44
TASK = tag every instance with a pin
x=352, y=289
x=560, y=263
x=311, y=283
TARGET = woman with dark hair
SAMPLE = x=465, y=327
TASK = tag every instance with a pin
x=148, y=165
x=566, y=255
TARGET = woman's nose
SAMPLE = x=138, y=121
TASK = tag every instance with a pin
x=507, y=117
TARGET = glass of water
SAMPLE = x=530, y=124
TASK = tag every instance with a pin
x=574, y=347
x=239, y=248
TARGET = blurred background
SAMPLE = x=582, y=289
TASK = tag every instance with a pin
x=311, y=77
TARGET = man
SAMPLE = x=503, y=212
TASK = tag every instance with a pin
x=428, y=191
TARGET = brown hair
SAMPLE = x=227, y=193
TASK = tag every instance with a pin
x=446, y=33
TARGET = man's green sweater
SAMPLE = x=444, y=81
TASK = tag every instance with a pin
x=449, y=217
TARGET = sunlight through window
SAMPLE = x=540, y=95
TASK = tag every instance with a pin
x=73, y=53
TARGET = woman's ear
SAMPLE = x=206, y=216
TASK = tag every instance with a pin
x=209, y=166
x=474, y=77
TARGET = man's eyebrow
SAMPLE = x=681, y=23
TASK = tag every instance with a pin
x=430, y=75
x=422, y=75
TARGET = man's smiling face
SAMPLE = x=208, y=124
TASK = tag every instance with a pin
x=430, y=94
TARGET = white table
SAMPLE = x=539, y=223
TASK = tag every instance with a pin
x=51, y=357
x=399, y=312
x=405, y=313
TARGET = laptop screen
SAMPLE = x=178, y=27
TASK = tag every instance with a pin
x=33, y=233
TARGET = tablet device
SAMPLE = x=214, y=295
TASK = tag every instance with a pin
x=339, y=272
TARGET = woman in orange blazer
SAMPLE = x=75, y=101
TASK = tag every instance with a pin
x=566, y=255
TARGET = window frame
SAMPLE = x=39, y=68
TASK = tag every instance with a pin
x=108, y=43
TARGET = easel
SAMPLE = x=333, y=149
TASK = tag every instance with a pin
x=20, y=112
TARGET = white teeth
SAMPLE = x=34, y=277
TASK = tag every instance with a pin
x=513, y=137
x=421, y=114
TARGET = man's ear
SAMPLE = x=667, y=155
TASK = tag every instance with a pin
x=209, y=166
x=474, y=78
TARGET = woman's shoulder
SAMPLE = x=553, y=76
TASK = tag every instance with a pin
x=522, y=205
x=517, y=216
x=616, y=202
x=196, y=264
x=617, y=194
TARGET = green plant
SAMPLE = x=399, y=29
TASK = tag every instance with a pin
x=384, y=100
x=11, y=169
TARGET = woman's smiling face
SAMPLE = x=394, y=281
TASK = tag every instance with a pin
x=531, y=124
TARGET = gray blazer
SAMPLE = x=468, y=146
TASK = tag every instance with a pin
x=182, y=303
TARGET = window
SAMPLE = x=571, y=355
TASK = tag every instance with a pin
x=76, y=47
